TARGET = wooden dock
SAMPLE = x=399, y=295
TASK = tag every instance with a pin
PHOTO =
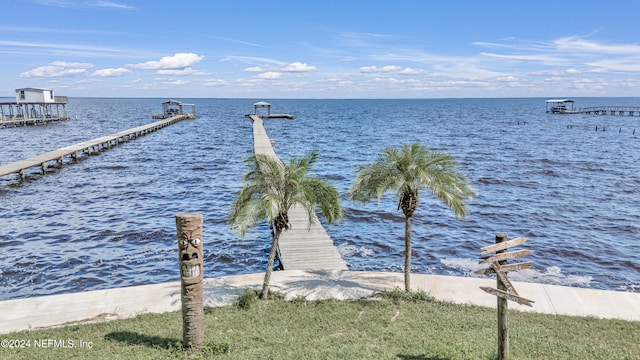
x=611, y=110
x=268, y=114
x=303, y=246
x=272, y=116
x=87, y=147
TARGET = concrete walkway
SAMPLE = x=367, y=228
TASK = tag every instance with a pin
x=92, y=306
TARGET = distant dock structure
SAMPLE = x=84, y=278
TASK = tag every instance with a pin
x=612, y=110
x=566, y=106
x=33, y=106
x=259, y=110
x=56, y=158
x=171, y=108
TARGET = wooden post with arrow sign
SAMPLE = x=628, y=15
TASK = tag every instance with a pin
x=505, y=290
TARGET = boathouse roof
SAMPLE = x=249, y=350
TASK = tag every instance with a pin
x=262, y=103
x=172, y=102
x=175, y=102
x=560, y=100
x=31, y=88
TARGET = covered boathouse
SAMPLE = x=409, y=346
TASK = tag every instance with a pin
x=33, y=106
x=171, y=108
x=260, y=105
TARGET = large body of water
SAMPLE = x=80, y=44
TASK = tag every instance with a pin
x=108, y=221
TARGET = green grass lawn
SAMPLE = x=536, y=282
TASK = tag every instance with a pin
x=418, y=328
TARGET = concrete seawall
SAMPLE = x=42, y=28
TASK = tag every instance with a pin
x=95, y=306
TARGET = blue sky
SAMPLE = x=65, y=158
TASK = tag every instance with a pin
x=321, y=49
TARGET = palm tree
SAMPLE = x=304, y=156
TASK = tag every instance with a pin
x=272, y=189
x=405, y=171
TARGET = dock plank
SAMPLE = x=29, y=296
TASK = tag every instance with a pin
x=305, y=246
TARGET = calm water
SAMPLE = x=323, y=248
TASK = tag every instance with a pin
x=108, y=221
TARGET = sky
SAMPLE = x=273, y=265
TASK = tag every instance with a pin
x=321, y=49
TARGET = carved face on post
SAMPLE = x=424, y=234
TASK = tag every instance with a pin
x=191, y=259
x=190, y=255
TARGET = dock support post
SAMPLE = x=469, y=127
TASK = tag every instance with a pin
x=503, y=323
x=190, y=258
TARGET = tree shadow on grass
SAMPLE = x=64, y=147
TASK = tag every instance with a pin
x=421, y=357
x=134, y=338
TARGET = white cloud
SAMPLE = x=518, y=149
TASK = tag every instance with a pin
x=632, y=65
x=177, y=61
x=597, y=71
x=542, y=58
x=375, y=69
x=74, y=65
x=185, y=71
x=270, y=75
x=177, y=82
x=214, y=82
x=237, y=41
x=109, y=4
x=410, y=71
x=47, y=50
x=395, y=69
x=298, y=67
x=574, y=43
x=392, y=80
x=85, y=4
x=292, y=67
x=337, y=82
x=252, y=60
x=111, y=72
x=58, y=69
x=509, y=78
x=583, y=55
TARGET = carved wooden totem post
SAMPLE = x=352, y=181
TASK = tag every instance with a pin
x=190, y=258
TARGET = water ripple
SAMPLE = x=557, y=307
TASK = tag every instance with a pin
x=108, y=220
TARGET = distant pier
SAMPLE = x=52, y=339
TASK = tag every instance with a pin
x=33, y=106
x=87, y=147
x=612, y=110
x=304, y=246
x=566, y=106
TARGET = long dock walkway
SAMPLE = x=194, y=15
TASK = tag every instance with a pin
x=304, y=246
x=88, y=147
x=611, y=110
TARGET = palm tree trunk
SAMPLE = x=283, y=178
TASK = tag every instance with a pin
x=270, y=261
x=407, y=253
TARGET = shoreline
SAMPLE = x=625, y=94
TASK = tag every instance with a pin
x=119, y=303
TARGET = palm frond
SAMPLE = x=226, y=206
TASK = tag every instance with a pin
x=409, y=169
x=272, y=188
